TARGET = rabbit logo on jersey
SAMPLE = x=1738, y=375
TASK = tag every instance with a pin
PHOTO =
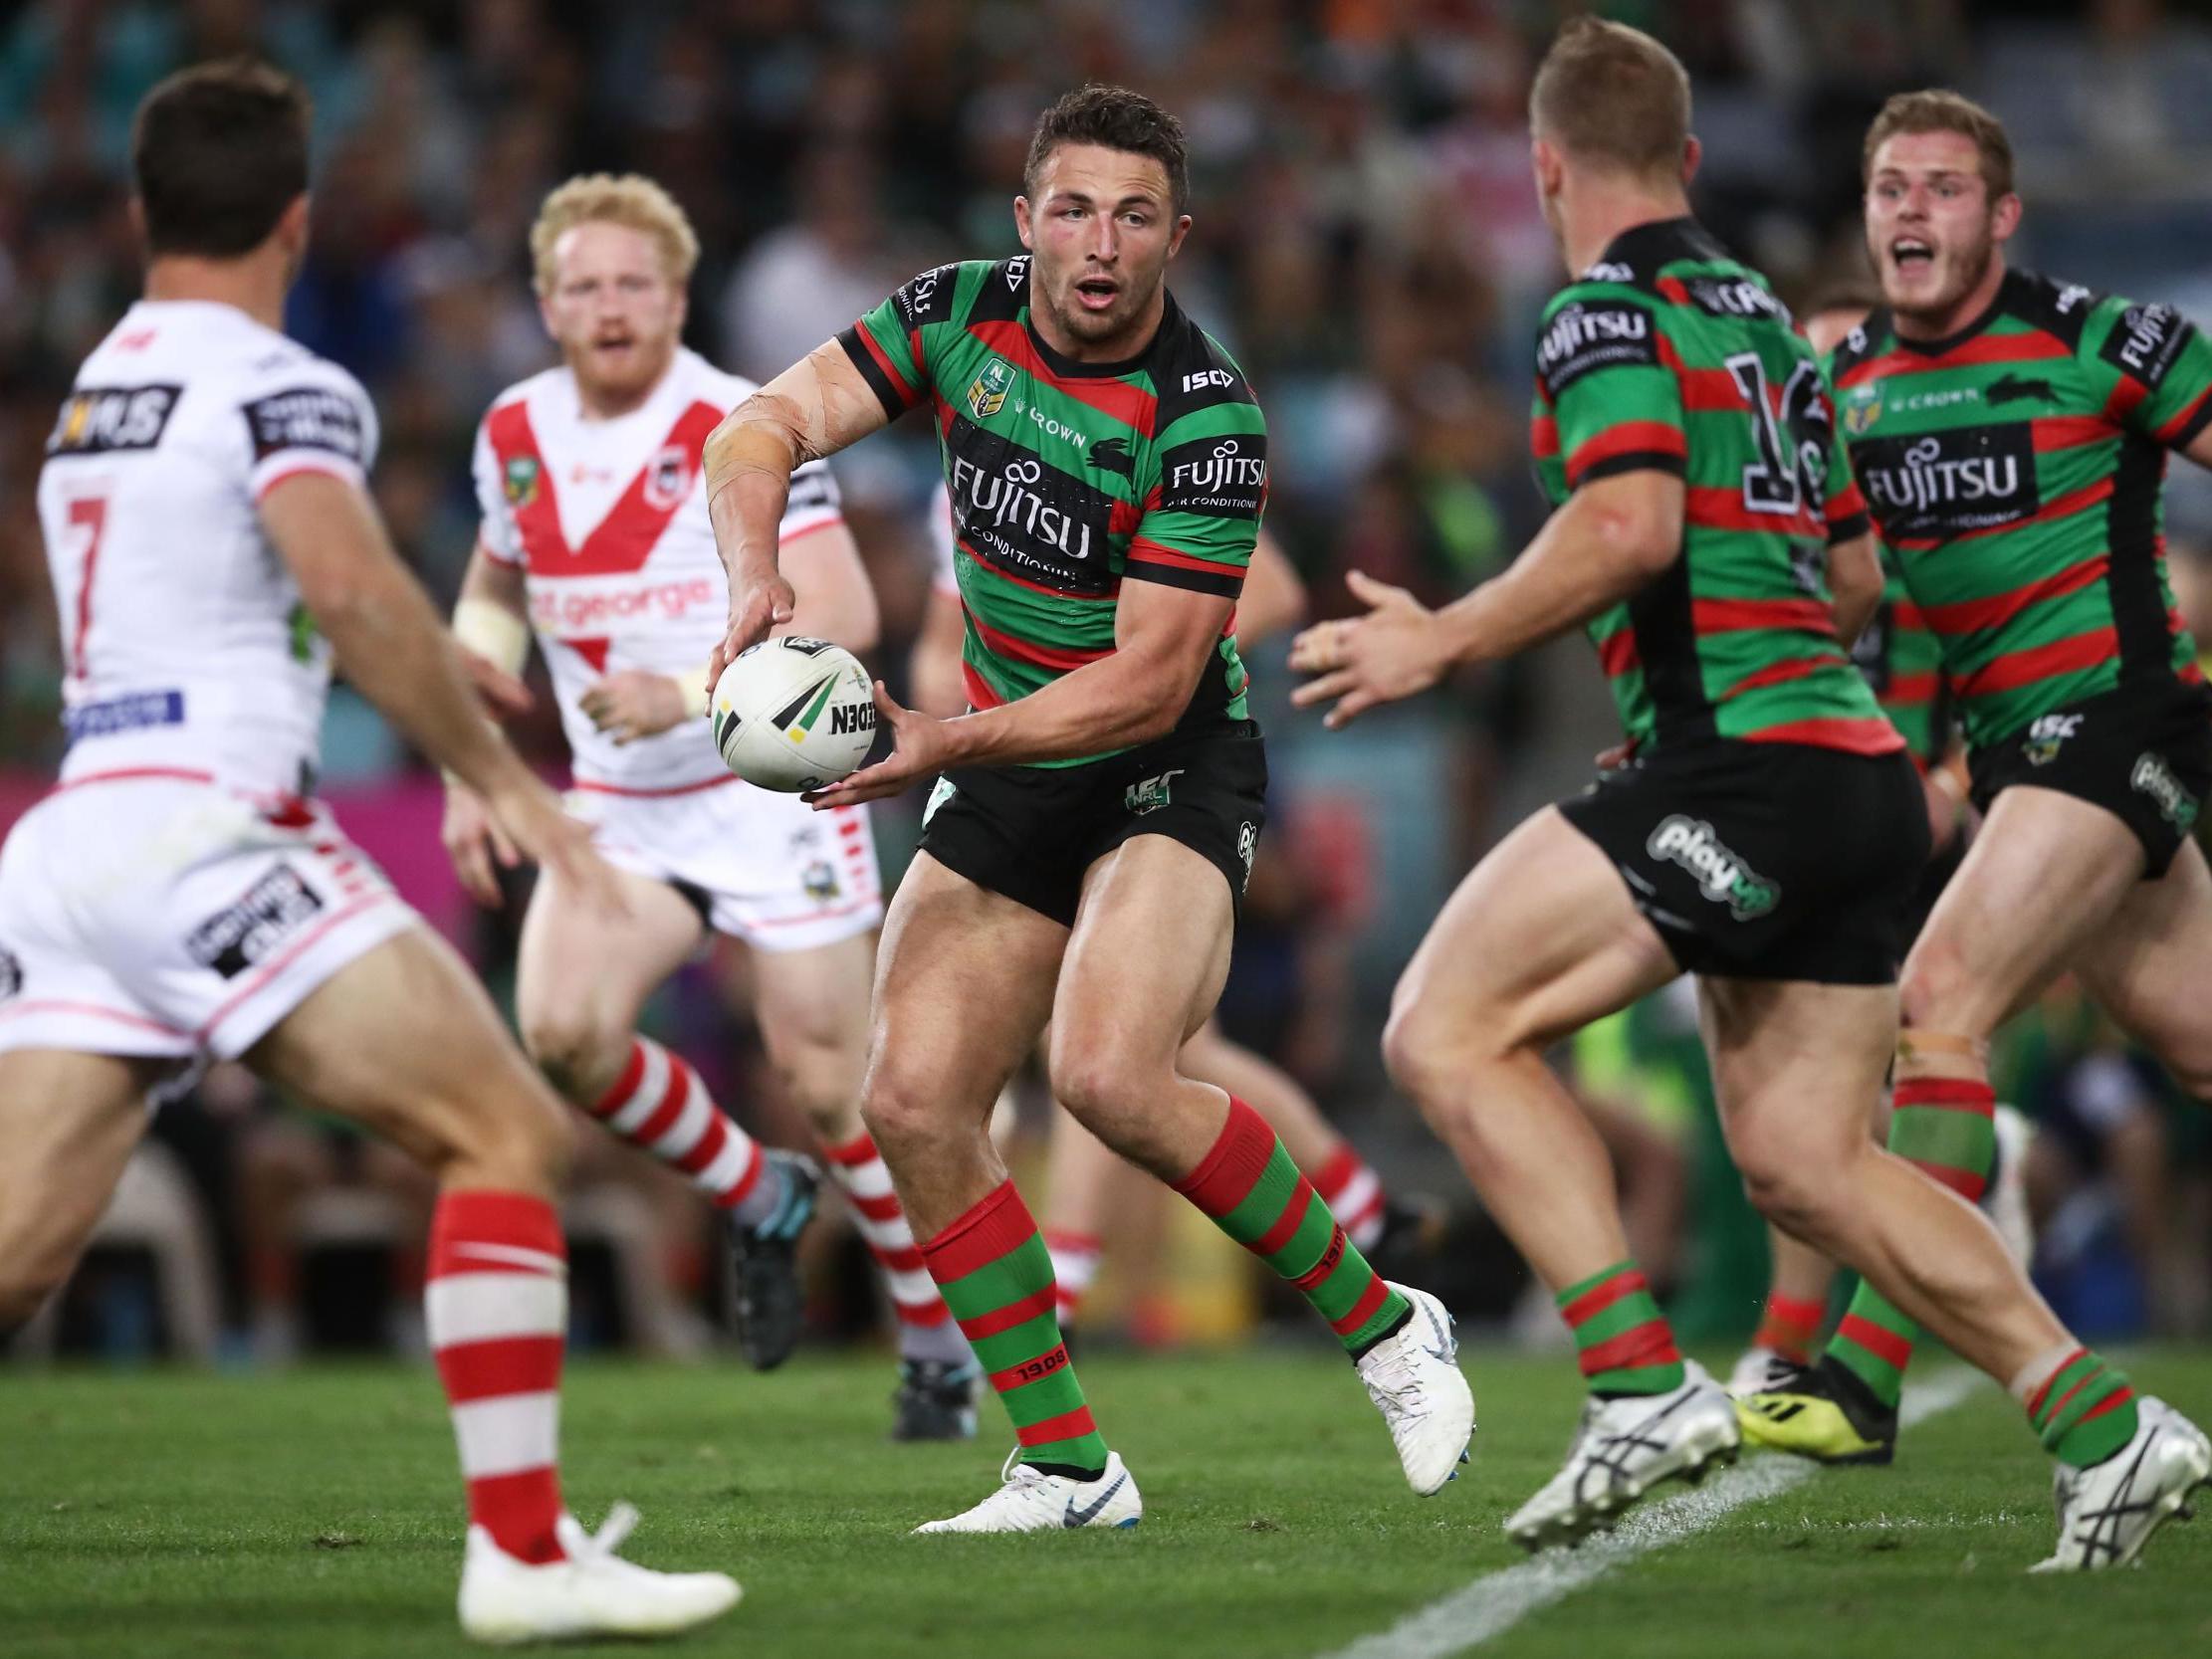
x=1721, y=876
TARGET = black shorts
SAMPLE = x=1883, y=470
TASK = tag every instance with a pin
x=1766, y=861
x=1031, y=832
x=2143, y=753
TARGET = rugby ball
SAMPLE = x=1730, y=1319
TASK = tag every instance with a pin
x=793, y=713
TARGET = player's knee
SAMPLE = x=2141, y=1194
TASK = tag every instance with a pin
x=1796, y=1192
x=1432, y=1057
x=900, y=1113
x=1103, y=1076
x=820, y=1075
x=581, y=1056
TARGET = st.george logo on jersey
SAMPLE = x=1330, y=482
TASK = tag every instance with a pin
x=668, y=477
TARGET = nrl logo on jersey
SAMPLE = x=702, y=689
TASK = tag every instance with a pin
x=986, y=393
x=1861, y=408
x=668, y=477
x=519, y=482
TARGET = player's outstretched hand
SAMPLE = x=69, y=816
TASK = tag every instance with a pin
x=559, y=845
x=757, y=604
x=1392, y=651
x=918, y=751
x=633, y=703
x=475, y=843
x=503, y=693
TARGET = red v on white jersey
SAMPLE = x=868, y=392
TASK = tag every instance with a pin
x=624, y=540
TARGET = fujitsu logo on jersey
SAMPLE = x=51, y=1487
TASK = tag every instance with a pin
x=2145, y=341
x=1949, y=482
x=1225, y=470
x=1589, y=334
x=1224, y=476
x=1007, y=497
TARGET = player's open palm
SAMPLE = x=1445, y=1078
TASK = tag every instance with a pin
x=757, y=604
x=633, y=703
x=476, y=844
x=918, y=751
x=1390, y=653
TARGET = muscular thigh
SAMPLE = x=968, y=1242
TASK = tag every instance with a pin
x=965, y=982
x=1150, y=948
x=1798, y=1068
x=1539, y=939
x=2150, y=967
x=68, y=1125
x=404, y=1041
x=2047, y=873
x=813, y=1011
x=582, y=969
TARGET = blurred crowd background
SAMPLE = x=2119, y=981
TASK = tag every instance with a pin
x=1366, y=244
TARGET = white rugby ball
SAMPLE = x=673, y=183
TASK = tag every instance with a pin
x=793, y=713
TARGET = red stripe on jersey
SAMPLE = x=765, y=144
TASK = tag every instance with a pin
x=1026, y=651
x=978, y=690
x=1628, y=438
x=1725, y=510
x=1846, y=503
x=624, y=540
x=1543, y=437
x=1617, y=654
x=1133, y=407
x=1725, y=616
x=2126, y=396
x=1910, y=689
x=2024, y=668
x=2181, y=422
x=123, y=774
x=1146, y=551
x=2069, y=431
x=908, y=396
x=1906, y=618
x=1782, y=671
x=2066, y=506
x=1701, y=388
x=1965, y=614
x=1853, y=735
x=2035, y=346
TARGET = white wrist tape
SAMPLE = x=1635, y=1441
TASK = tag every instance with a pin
x=492, y=632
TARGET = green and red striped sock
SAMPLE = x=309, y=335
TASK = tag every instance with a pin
x=2081, y=1408
x=1251, y=1191
x=1790, y=1326
x=1622, y=1340
x=996, y=1277
x=1946, y=1126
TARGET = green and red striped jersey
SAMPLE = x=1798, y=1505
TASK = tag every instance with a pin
x=2015, y=469
x=1070, y=478
x=1668, y=354
x=1902, y=661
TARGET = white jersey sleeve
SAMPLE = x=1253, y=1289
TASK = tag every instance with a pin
x=307, y=415
x=496, y=533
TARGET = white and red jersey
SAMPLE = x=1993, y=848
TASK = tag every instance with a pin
x=186, y=645
x=607, y=520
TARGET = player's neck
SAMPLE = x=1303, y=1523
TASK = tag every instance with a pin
x=255, y=285
x=1598, y=210
x=1936, y=325
x=602, y=402
x=1118, y=348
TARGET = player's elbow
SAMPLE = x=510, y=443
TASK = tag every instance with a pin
x=1643, y=541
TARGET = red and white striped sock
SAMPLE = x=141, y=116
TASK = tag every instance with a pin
x=496, y=1306
x=1354, y=1194
x=925, y=1328
x=659, y=1103
x=1074, y=1266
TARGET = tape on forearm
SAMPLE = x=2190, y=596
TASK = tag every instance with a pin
x=492, y=632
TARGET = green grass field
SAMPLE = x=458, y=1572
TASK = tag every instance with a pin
x=318, y=1515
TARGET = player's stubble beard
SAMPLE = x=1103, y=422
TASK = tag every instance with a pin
x=1095, y=328
x=1965, y=267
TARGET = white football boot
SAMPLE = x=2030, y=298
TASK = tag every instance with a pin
x=2006, y=1201
x=1032, y=1501
x=1624, y=1448
x=2107, y=1511
x=594, y=1593
x=1415, y=1381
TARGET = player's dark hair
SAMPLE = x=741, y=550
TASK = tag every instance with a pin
x=219, y=151
x=1940, y=109
x=1613, y=95
x=1116, y=118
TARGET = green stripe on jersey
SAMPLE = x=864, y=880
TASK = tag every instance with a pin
x=1670, y=355
x=2015, y=470
x=1069, y=480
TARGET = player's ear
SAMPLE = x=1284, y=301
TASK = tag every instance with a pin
x=291, y=232
x=1022, y=222
x=1548, y=165
x=2004, y=218
x=1692, y=153
x=1175, y=238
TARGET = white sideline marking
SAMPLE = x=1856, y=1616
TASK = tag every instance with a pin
x=1496, y=1602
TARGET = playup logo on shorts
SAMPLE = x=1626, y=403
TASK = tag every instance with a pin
x=2153, y=777
x=1721, y=876
x=2047, y=734
x=1247, y=846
